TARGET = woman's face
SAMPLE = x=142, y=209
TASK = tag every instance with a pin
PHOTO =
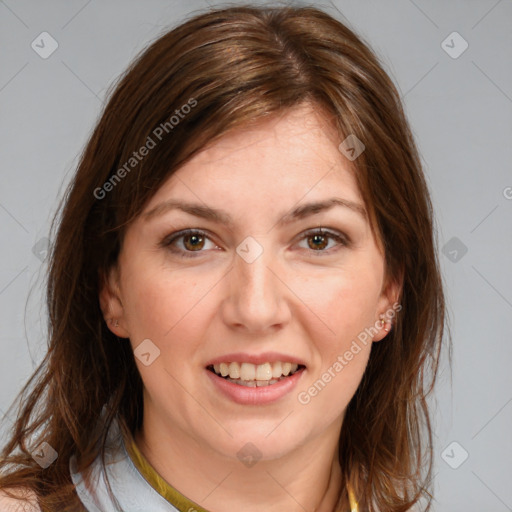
x=255, y=283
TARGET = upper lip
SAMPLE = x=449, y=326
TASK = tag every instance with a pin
x=265, y=357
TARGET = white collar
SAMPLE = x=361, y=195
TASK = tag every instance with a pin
x=129, y=487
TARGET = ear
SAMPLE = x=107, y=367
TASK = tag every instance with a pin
x=388, y=305
x=111, y=304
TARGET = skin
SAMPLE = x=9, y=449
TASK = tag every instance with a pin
x=293, y=299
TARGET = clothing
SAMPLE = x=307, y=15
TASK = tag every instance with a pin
x=134, y=482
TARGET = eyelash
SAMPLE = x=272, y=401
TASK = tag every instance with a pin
x=168, y=242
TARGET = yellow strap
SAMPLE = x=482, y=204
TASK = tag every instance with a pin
x=171, y=494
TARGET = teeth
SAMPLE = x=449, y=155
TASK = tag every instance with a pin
x=287, y=368
x=224, y=369
x=234, y=370
x=276, y=370
x=247, y=371
x=264, y=372
x=250, y=383
x=255, y=375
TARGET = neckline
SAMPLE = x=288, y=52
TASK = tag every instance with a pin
x=167, y=491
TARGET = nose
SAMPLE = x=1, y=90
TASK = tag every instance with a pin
x=257, y=298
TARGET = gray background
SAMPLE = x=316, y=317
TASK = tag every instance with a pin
x=460, y=112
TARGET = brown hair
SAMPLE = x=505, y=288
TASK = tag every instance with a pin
x=234, y=66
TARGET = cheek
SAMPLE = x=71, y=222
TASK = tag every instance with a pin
x=169, y=309
x=343, y=353
x=345, y=301
x=156, y=298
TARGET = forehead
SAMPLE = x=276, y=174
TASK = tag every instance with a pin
x=297, y=131
x=288, y=157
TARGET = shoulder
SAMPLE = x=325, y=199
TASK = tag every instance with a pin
x=25, y=501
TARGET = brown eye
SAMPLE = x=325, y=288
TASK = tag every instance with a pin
x=193, y=242
x=317, y=242
x=189, y=243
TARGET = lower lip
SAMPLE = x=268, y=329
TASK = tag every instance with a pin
x=257, y=395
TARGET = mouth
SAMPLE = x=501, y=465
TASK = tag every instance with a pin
x=255, y=375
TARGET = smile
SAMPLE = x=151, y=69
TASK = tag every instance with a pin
x=251, y=375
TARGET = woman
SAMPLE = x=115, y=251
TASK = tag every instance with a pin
x=246, y=309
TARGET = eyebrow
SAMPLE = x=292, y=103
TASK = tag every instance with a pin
x=220, y=216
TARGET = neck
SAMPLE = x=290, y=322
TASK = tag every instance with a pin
x=307, y=479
